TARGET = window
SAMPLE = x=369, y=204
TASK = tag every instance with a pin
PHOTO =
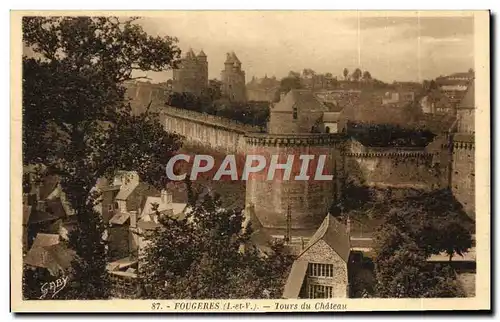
x=295, y=114
x=327, y=129
x=110, y=207
x=320, y=270
x=316, y=291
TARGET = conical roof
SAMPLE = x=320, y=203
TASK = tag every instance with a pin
x=202, y=54
x=235, y=59
x=190, y=53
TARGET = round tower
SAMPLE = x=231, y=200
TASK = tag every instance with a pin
x=306, y=201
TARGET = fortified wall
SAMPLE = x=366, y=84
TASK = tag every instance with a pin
x=216, y=132
x=397, y=168
x=381, y=167
x=308, y=200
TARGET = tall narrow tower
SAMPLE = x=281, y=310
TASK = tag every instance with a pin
x=233, y=79
x=463, y=157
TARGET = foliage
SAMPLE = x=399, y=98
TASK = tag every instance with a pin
x=366, y=75
x=402, y=270
x=414, y=229
x=289, y=83
x=381, y=135
x=356, y=75
x=345, y=72
x=201, y=256
x=75, y=121
x=252, y=113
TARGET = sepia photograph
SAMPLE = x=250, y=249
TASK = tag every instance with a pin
x=250, y=161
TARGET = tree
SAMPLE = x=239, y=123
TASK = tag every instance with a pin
x=289, y=83
x=214, y=89
x=345, y=73
x=201, y=256
x=308, y=72
x=402, y=270
x=293, y=74
x=356, y=75
x=367, y=76
x=76, y=123
x=413, y=229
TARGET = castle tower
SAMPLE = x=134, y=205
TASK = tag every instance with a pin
x=233, y=79
x=299, y=205
x=463, y=162
x=192, y=74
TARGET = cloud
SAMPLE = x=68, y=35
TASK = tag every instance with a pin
x=275, y=42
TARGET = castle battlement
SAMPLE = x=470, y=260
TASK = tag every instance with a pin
x=306, y=139
x=401, y=154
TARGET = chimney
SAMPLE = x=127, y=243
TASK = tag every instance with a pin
x=133, y=219
x=41, y=205
x=166, y=198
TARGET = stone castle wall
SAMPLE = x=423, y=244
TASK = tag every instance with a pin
x=393, y=168
x=207, y=130
x=463, y=174
x=308, y=200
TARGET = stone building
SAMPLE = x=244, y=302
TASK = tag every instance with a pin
x=298, y=111
x=233, y=79
x=321, y=269
x=263, y=89
x=192, y=74
x=463, y=153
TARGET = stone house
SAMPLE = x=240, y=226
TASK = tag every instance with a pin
x=321, y=269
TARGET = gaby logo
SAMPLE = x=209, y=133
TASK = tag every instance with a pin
x=302, y=167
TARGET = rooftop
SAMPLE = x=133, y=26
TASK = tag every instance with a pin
x=334, y=234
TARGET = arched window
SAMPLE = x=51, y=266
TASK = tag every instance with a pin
x=327, y=129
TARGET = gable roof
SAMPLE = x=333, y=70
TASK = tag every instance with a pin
x=468, y=102
x=26, y=214
x=302, y=100
x=42, y=240
x=119, y=218
x=48, y=185
x=47, y=252
x=55, y=258
x=295, y=280
x=332, y=232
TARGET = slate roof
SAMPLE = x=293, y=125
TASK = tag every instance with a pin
x=334, y=234
x=119, y=218
x=43, y=240
x=126, y=190
x=295, y=280
x=302, y=100
x=26, y=214
x=48, y=185
x=37, y=217
x=47, y=252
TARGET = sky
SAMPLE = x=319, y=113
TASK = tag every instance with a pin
x=404, y=48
